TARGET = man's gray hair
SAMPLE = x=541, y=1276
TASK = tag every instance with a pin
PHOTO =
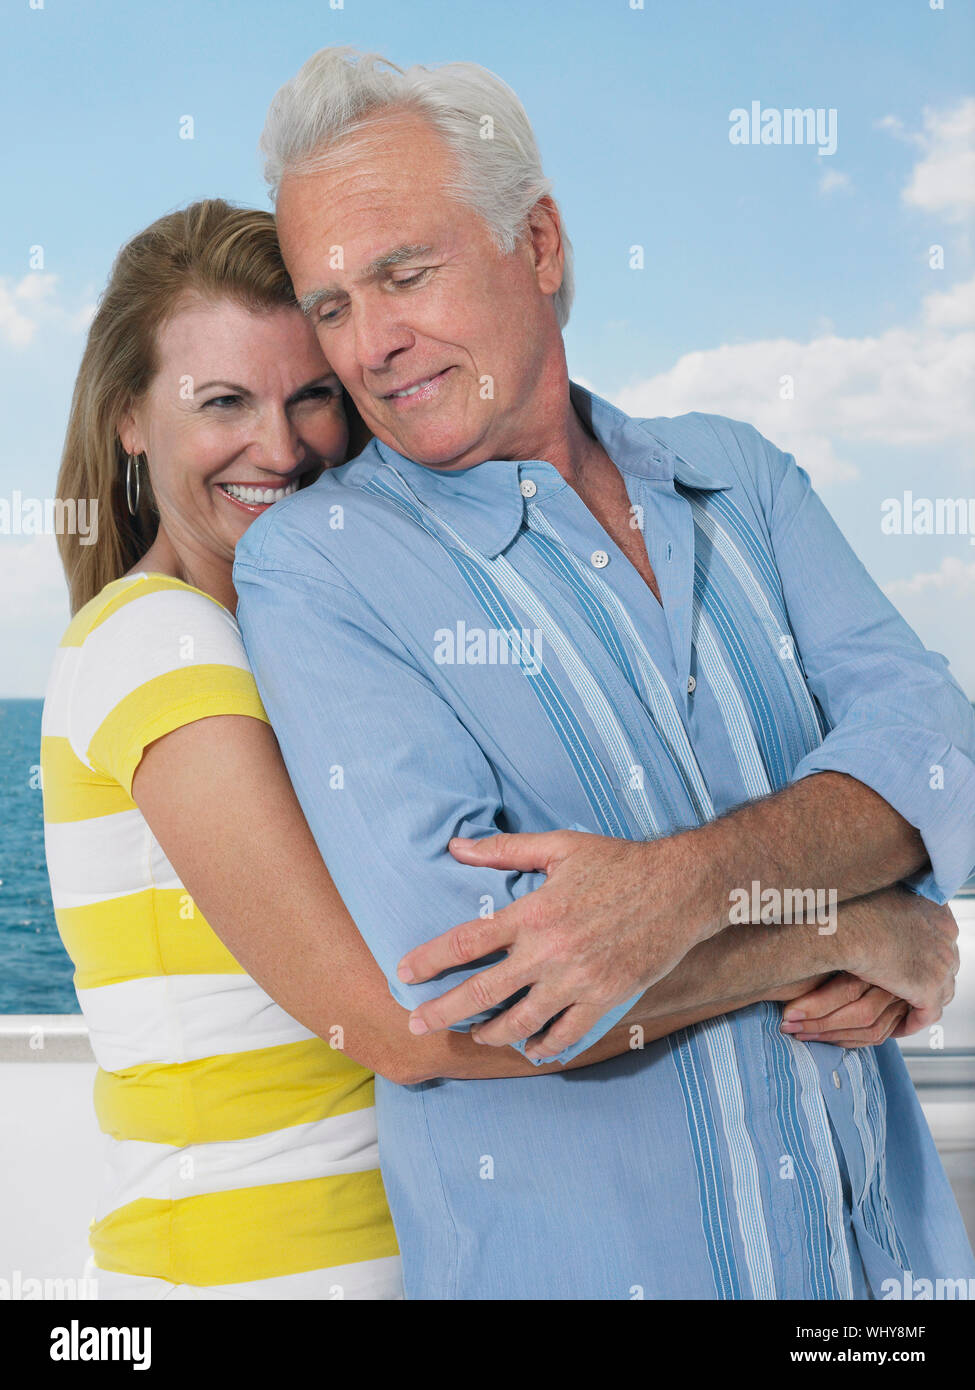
x=340, y=92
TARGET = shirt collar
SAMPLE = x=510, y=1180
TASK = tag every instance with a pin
x=485, y=504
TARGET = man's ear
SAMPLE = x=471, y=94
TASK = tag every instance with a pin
x=545, y=227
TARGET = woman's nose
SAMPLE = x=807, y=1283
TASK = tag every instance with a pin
x=279, y=447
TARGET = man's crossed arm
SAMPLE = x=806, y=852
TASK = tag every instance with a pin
x=652, y=905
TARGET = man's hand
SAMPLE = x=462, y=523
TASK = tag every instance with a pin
x=612, y=917
x=917, y=963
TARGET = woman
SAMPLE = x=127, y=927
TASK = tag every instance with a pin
x=235, y=1013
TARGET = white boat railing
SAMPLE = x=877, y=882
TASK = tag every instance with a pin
x=52, y=1156
x=64, y=1038
x=44, y=1038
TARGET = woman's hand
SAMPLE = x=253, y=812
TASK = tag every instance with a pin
x=847, y=1012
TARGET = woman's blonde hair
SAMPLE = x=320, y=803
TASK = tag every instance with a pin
x=211, y=248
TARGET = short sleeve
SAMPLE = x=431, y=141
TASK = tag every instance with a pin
x=159, y=656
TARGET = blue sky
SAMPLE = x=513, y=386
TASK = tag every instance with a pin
x=760, y=262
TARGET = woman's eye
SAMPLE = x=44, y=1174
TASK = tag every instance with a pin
x=318, y=393
x=223, y=401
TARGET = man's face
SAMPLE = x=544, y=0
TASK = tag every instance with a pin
x=414, y=294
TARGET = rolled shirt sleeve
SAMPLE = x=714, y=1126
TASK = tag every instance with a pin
x=900, y=723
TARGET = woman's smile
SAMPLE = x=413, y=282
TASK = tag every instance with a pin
x=255, y=497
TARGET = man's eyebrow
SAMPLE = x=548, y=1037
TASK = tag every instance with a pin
x=327, y=294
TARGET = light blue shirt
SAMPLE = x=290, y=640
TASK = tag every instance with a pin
x=460, y=653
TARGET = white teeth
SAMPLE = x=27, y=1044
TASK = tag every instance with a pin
x=412, y=390
x=258, y=496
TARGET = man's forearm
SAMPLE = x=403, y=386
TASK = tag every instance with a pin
x=736, y=968
x=739, y=967
x=827, y=832
x=750, y=962
x=754, y=962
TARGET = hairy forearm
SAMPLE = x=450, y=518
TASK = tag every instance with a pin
x=744, y=965
x=828, y=832
x=741, y=966
x=780, y=960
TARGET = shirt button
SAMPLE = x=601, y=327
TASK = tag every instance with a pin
x=600, y=559
x=528, y=488
x=691, y=685
x=836, y=1080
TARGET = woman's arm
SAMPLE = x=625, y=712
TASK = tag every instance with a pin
x=217, y=797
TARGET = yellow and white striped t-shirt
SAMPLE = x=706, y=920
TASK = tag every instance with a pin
x=242, y=1147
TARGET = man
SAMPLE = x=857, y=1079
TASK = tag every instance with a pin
x=462, y=633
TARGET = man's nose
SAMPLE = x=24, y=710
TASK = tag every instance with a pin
x=379, y=333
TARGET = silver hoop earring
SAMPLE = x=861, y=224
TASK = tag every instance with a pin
x=132, y=472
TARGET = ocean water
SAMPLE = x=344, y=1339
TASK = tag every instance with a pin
x=35, y=972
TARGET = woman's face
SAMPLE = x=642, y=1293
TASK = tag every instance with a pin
x=243, y=406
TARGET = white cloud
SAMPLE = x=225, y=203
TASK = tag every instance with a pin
x=33, y=615
x=943, y=180
x=953, y=575
x=17, y=327
x=894, y=124
x=29, y=303
x=30, y=572
x=833, y=181
x=36, y=288
x=80, y=320
x=905, y=386
x=938, y=604
x=584, y=381
x=954, y=308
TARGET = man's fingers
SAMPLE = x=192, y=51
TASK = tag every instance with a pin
x=483, y=990
x=567, y=1029
x=462, y=945
x=524, y=851
x=523, y=1019
x=917, y=1020
x=470, y=941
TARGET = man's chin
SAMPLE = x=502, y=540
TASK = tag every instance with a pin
x=435, y=448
